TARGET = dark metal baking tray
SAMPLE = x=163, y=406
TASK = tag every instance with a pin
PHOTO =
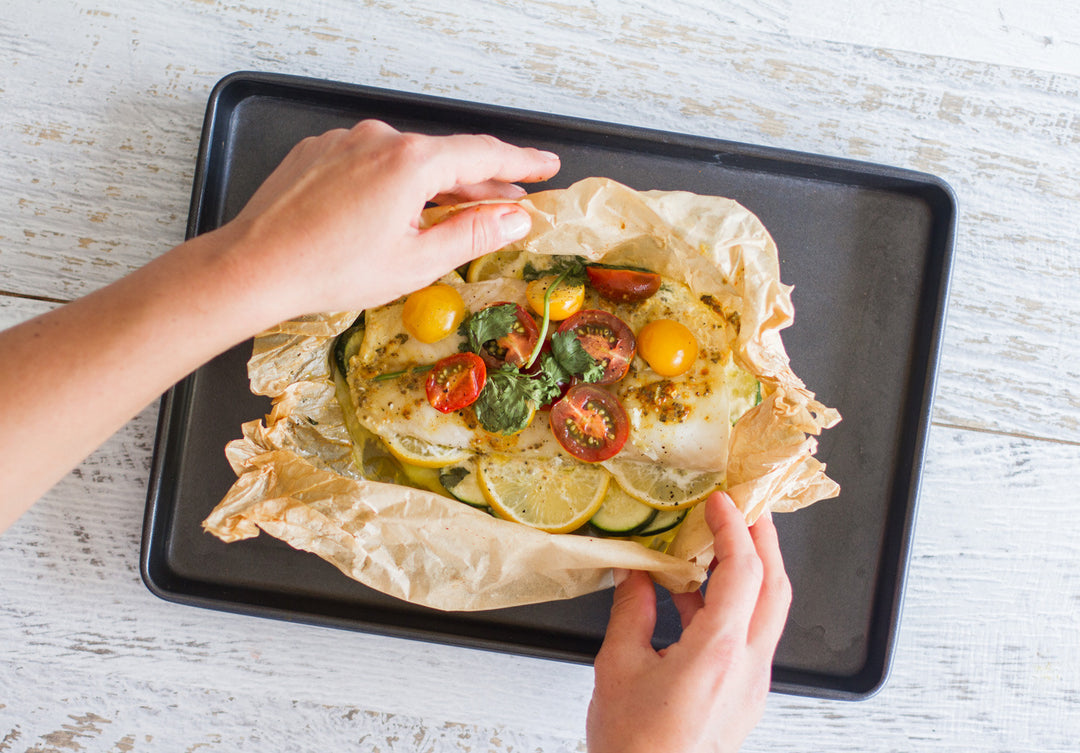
x=868, y=250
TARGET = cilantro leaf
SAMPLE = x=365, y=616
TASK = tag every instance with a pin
x=451, y=477
x=486, y=324
x=572, y=267
x=552, y=371
x=550, y=379
x=503, y=406
x=572, y=357
x=509, y=398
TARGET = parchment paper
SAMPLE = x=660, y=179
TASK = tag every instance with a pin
x=297, y=480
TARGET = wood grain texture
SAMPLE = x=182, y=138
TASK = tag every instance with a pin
x=73, y=598
x=1041, y=34
x=988, y=658
x=98, y=135
x=95, y=713
x=98, y=173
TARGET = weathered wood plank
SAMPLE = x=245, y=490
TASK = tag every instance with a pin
x=97, y=143
x=986, y=660
x=72, y=605
x=16, y=310
x=96, y=712
x=105, y=160
x=1042, y=34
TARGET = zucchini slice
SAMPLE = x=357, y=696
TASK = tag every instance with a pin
x=347, y=345
x=620, y=514
x=664, y=521
x=460, y=481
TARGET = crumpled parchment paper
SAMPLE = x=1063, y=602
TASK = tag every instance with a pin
x=296, y=479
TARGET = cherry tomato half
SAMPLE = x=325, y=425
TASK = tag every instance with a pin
x=455, y=382
x=606, y=338
x=590, y=423
x=623, y=285
x=515, y=347
x=432, y=313
x=668, y=346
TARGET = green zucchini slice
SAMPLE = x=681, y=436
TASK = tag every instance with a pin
x=347, y=345
x=664, y=521
x=460, y=481
x=620, y=514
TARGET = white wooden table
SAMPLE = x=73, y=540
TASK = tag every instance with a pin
x=100, y=110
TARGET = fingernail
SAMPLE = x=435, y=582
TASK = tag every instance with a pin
x=514, y=225
x=550, y=156
x=727, y=497
x=619, y=575
x=516, y=189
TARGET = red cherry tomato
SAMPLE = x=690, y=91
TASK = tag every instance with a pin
x=515, y=347
x=590, y=423
x=455, y=382
x=606, y=338
x=623, y=285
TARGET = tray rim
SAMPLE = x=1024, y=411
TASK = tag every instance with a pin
x=887, y=603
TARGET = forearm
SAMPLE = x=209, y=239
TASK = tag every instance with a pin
x=75, y=375
x=335, y=227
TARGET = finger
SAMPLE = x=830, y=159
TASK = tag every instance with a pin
x=732, y=591
x=633, y=618
x=489, y=189
x=687, y=604
x=445, y=162
x=474, y=232
x=774, y=599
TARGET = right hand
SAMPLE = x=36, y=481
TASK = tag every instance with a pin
x=708, y=690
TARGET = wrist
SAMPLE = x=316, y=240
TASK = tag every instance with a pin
x=235, y=288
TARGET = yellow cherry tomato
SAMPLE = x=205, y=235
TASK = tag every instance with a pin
x=566, y=300
x=668, y=346
x=432, y=313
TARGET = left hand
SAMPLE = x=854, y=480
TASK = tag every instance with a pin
x=705, y=692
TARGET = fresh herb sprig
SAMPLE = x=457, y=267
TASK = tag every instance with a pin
x=571, y=267
x=486, y=324
x=547, y=319
x=511, y=396
x=509, y=399
x=574, y=359
x=568, y=269
x=395, y=374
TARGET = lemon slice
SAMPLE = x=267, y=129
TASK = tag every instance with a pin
x=419, y=452
x=494, y=265
x=662, y=487
x=554, y=495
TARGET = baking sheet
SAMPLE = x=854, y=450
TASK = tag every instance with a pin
x=868, y=249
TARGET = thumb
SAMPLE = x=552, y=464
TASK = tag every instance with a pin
x=633, y=615
x=474, y=232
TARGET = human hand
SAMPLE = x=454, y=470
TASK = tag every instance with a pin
x=335, y=226
x=708, y=690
